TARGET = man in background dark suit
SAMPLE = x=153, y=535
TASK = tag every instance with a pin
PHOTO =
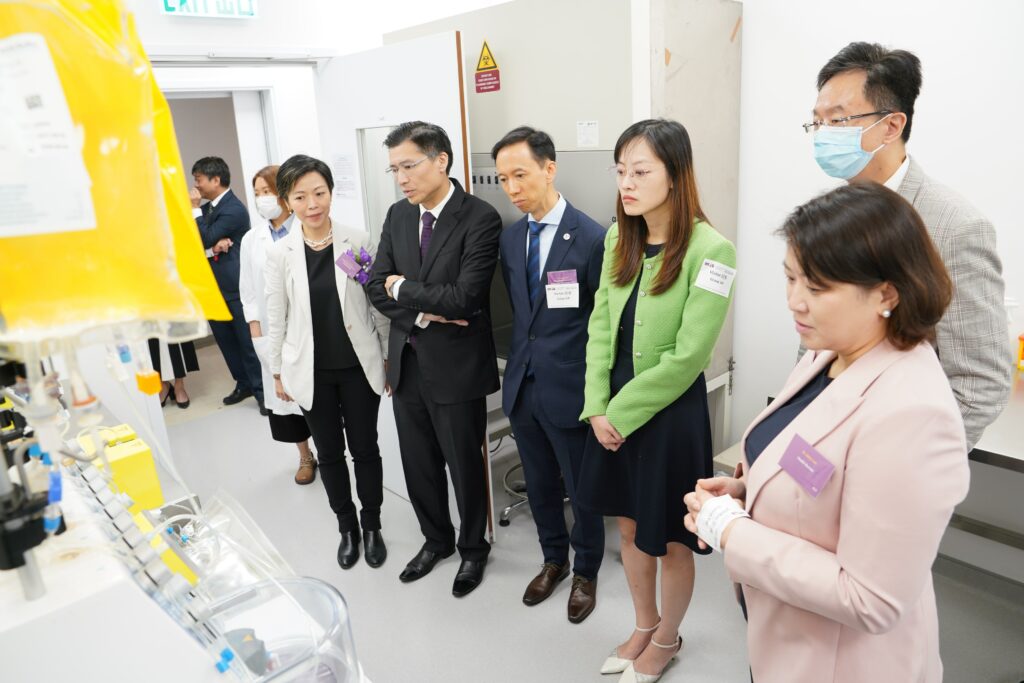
x=551, y=262
x=432, y=278
x=222, y=221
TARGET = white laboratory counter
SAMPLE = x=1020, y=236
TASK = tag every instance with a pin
x=1002, y=444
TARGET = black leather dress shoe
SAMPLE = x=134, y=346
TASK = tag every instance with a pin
x=471, y=573
x=263, y=408
x=237, y=396
x=348, y=549
x=421, y=565
x=374, y=549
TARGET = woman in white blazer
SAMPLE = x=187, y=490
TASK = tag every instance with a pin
x=327, y=348
x=287, y=423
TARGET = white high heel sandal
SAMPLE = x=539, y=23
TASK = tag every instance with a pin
x=630, y=675
x=616, y=664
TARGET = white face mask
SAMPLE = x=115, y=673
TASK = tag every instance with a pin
x=268, y=206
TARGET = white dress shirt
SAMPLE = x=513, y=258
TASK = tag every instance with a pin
x=896, y=179
x=547, y=234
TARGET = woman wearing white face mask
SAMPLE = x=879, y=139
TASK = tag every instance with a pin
x=287, y=424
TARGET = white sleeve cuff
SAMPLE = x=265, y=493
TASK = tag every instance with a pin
x=420, y=322
x=209, y=253
x=395, y=287
x=197, y=213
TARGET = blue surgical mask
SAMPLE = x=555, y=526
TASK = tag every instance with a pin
x=838, y=150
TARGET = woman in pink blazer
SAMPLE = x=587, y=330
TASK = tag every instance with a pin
x=852, y=473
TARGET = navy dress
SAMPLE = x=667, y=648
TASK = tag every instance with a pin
x=767, y=429
x=646, y=479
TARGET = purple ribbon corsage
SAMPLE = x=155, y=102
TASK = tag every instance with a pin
x=356, y=266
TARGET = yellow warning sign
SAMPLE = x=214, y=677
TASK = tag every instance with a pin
x=486, y=61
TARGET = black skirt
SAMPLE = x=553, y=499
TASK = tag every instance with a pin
x=646, y=479
x=288, y=428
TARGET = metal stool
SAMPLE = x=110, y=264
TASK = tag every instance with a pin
x=517, y=490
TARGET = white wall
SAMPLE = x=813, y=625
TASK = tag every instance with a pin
x=582, y=74
x=290, y=97
x=289, y=26
x=966, y=134
x=206, y=127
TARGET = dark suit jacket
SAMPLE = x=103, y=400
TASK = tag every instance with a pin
x=552, y=341
x=229, y=218
x=454, y=281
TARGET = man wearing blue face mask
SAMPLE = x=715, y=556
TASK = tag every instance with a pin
x=861, y=125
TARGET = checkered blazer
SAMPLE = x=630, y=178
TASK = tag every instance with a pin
x=972, y=340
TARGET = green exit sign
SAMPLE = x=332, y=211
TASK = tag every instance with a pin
x=207, y=9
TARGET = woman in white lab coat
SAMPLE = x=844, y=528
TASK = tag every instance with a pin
x=287, y=423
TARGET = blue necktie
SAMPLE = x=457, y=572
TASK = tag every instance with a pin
x=533, y=262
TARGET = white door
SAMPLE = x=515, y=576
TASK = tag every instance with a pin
x=362, y=96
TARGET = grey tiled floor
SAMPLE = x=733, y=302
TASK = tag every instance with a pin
x=419, y=632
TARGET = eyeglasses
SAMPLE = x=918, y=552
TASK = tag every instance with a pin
x=638, y=175
x=407, y=166
x=813, y=126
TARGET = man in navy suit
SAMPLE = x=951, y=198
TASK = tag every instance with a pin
x=551, y=262
x=222, y=222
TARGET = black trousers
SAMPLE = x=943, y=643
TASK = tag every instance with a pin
x=344, y=405
x=235, y=344
x=431, y=436
x=183, y=357
x=552, y=455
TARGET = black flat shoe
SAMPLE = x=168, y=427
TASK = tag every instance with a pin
x=374, y=549
x=237, y=396
x=469, y=576
x=421, y=565
x=348, y=549
x=184, y=404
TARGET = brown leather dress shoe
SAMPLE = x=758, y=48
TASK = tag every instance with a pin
x=582, y=598
x=307, y=470
x=543, y=585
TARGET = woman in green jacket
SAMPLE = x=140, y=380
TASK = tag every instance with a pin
x=665, y=289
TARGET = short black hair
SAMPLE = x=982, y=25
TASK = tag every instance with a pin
x=893, y=76
x=213, y=167
x=298, y=166
x=865, y=234
x=429, y=137
x=541, y=146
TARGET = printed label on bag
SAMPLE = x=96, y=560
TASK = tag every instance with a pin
x=40, y=145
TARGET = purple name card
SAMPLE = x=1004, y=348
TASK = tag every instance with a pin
x=562, y=277
x=348, y=265
x=806, y=465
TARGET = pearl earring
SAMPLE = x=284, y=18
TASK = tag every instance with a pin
x=886, y=313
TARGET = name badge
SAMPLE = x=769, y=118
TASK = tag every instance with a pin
x=716, y=278
x=563, y=289
x=807, y=466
